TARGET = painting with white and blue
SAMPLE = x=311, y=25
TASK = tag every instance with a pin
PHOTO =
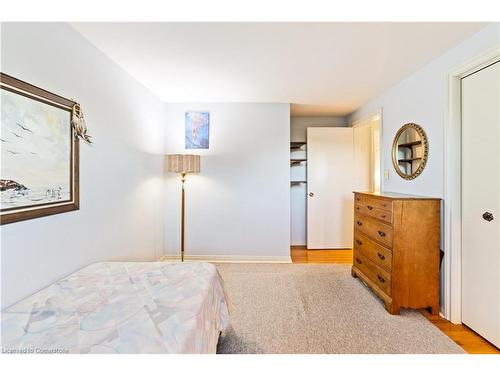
x=197, y=130
x=36, y=153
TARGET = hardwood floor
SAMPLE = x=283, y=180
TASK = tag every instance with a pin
x=470, y=341
x=302, y=255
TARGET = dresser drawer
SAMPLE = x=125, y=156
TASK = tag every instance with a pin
x=371, y=201
x=377, y=253
x=377, y=275
x=374, y=212
x=358, y=198
x=374, y=229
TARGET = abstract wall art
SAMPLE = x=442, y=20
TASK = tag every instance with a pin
x=197, y=130
x=39, y=151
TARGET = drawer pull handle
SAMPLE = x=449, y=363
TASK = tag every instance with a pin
x=383, y=216
x=381, y=256
x=358, y=261
x=359, y=223
x=369, y=207
x=359, y=242
x=384, y=204
x=382, y=280
x=381, y=234
x=358, y=208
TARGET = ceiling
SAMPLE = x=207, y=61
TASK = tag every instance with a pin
x=322, y=68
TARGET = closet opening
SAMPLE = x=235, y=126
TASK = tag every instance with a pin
x=329, y=159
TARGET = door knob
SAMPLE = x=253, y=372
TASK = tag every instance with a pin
x=311, y=194
x=488, y=216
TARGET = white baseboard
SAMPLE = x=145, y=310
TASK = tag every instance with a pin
x=229, y=258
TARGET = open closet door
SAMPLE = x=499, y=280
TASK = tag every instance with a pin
x=330, y=163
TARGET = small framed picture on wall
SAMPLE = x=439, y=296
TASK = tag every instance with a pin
x=197, y=130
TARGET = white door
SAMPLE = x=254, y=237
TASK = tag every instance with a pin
x=481, y=202
x=330, y=185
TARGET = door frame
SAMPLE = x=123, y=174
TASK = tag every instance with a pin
x=452, y=304
x=375, y=116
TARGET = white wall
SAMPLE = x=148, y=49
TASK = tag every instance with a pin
x=299, y=125
x=422, y=98
x=298, y=198
x=239, y=205
x=120, y=217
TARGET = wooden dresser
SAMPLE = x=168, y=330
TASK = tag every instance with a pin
x=396, y=248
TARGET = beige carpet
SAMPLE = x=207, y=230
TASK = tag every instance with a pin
x=291, y=308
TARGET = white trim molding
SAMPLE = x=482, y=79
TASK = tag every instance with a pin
x=375, y=116
x=452, y=304
x=229, y=258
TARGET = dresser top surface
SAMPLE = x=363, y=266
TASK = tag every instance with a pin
x=391, y=195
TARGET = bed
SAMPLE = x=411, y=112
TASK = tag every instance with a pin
x=122, y=307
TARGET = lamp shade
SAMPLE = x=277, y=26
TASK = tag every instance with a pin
x=180, y=163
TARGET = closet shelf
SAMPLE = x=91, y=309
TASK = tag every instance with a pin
x=298, y=182
x=297, y=161
x=296, y=145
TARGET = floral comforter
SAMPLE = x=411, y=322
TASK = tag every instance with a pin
x=121, y=307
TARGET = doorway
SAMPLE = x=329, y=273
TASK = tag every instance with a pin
x=341, y=161
x=367, y=161
x=365, y=152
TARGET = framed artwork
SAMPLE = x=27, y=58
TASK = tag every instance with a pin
x=39, y=149
x=197, y=130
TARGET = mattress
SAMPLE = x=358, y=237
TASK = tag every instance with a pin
x=121, y=307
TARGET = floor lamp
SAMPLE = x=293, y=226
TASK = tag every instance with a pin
x=183, y=164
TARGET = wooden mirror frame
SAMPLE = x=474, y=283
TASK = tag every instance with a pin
x=425, y=144
x=13, y=215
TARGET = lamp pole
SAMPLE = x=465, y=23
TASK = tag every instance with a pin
x=183, y=164
x=183, y=179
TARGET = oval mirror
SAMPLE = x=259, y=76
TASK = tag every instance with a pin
x=409, y=151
